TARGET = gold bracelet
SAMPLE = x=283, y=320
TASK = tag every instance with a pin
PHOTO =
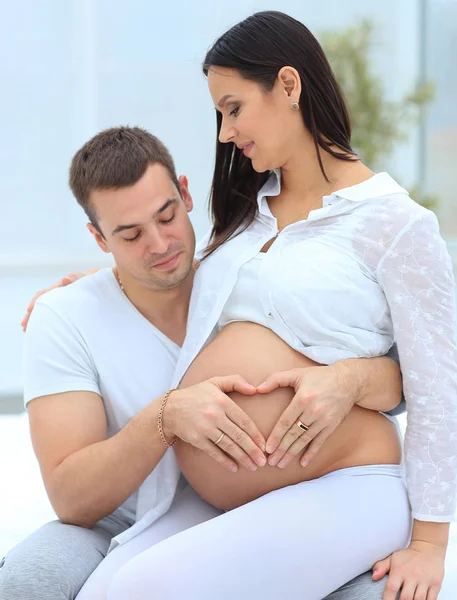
x=160, y=420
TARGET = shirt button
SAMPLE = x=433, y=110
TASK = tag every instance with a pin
x=270, y=315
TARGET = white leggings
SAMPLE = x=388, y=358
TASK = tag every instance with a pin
x=303, y=541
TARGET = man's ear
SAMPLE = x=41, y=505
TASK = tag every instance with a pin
x=185, y=194
x=98, y=238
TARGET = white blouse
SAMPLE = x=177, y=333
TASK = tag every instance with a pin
x=366, y=270
x=244, y=303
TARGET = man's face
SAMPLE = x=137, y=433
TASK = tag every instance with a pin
x=147, y=228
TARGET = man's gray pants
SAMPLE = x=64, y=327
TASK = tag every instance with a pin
x=55, y=561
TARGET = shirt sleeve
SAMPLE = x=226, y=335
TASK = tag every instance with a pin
x=56, y=358
x=416, y=276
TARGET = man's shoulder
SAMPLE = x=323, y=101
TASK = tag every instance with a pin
x=82, y=296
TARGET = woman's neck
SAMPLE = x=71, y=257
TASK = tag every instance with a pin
x=302, y=176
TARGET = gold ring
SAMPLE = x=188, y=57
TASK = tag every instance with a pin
x=302, y=426
x=219, y=439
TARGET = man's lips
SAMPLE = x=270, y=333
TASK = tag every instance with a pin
x=169, y=263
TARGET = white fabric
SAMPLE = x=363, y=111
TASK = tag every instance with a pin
x=244, y=303
x=89, y=337
x=302, y=541
x=186, y=510
x=366, y=270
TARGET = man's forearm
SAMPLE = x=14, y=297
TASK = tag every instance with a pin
x=92, y=482
x=378, y=381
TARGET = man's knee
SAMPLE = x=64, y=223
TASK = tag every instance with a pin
x=53, y=563
x=360, y=588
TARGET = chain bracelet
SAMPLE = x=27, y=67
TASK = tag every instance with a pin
x=160, y=420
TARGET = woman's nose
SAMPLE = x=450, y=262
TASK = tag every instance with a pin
x=226, y=134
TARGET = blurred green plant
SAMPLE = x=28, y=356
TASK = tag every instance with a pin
x=378, y=123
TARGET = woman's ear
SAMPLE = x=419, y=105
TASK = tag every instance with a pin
x=290, y=81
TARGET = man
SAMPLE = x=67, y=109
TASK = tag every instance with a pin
x=100, y=355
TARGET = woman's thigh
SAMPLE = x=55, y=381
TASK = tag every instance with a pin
x=302, y=541
x=187, y=510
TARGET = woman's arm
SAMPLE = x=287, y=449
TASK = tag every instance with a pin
x=416, y=276
x=71, y=278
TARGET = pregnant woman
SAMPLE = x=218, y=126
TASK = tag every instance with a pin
x=312, y=259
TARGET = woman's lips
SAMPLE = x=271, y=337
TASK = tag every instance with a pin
x=248, y=148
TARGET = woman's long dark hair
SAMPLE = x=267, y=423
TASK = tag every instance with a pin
x=258, y=48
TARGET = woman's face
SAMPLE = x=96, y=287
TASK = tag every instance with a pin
x=262, y=124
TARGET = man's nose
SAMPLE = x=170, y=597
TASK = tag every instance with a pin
x=158, y=243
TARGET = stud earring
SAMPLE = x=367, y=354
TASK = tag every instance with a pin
x=295, y=105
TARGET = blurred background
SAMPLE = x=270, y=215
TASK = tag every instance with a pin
x=71, y=68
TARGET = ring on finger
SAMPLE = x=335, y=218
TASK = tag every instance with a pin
x=302, y=426
x=219, y=439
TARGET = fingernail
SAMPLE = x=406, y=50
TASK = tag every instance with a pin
x=304, y=463
x=282, y=463
x=272, y=461
x=262, y=446
x=261, y=461
x=270, y=448
x=252, y=467
x=233, y=468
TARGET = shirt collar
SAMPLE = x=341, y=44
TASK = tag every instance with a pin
x=377, y=186
x=272, y=187
x=381, y=184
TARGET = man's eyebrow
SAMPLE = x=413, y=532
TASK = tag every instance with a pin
x=167, y=204
x=164, y=207
x=224, y=99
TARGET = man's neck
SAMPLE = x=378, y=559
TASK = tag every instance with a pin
x=167, y=310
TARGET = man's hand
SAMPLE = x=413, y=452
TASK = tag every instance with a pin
x=323, y=398
x=202, y=413
x=417, y=572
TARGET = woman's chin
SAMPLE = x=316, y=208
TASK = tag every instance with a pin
x=259, y=167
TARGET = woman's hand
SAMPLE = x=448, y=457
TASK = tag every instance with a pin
x=323, y=398
x=204, y=416
x=61, y=283
x=416, y=572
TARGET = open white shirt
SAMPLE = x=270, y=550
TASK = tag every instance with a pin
x=366, y=270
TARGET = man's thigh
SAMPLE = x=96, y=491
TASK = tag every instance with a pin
x=54, y=562
x=360, y=588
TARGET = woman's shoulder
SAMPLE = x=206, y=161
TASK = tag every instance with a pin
x=385, y=224
x=393, y=214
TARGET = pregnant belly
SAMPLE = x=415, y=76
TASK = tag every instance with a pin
x=365, y=437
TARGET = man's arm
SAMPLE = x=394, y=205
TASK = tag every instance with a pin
x=377, y=382
x=86, y=475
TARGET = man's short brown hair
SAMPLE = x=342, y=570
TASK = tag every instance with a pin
x=113, y=159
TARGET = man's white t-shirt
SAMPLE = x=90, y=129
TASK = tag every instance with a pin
x=89, y=337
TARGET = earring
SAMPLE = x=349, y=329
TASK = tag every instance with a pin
x=295, y=105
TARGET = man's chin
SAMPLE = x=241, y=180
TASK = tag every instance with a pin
x=171, y=279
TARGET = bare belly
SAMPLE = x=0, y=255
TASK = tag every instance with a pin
x=365, y=437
